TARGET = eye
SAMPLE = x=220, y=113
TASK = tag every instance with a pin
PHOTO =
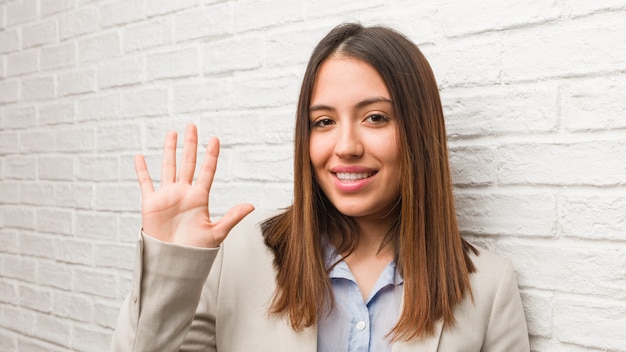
x=376, y=119
x=324, y=122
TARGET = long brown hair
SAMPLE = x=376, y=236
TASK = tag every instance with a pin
x=429, y=252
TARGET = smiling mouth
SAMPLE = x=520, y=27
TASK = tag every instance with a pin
x=354, y=176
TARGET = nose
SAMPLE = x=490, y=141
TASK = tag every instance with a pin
x=348, y=143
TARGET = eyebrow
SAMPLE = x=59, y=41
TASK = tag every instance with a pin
x=359, y=105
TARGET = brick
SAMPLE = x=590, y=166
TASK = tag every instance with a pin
x=591, y=323
x=281, y=129
x=159, y=7
x=129, y=225
x=95, y=283
x=8, y=341
x=147, y=102
x=21, y=11
x=106, y=315
x=121, y=256
x=21, y=268
x=36, y=245
x=18, y=319
x=511, y=14
x=121, y=12
x=118, y=138
x=473, y=166
x=9, y=91
x=36, y=193
x=39, y=88
x=22, y=62
x=284, y=47
x=9, y=41
x=206, y=22
x=56, y=113
x=99, y=107
x=8, y=142
x=37, y=346
x=257, y=14
x=9, y=192
x=464, y=63
x=76, y=82
x=123, y=72
x=97, y=168
x=206, y=95
x=58, y=56
x=173, y=64
x=489, y=213
x=8, y=292
x=588, y=267
x=251, y=90
x=72, y=306
x=79, y=22
x=274, y=164
x=538, y=307
x=146, y=35
x=583, y=163
x=76, y=139
x=35, y=298
x=101, y=226
x=37, y=141
x=116, y=197
x=594, y=104
x=598, y=215
x=236, y=128
x=20, y=117
x=40, y=33
x=100, y=47
x=73, y=251
x=48, y=8
x=55, y=221
x=52, y=329
x=562, y=56
x=217, y=56
x=20, y=167
x=55, y=168
x=478, y=112
x=56, y=275
x=65, y=195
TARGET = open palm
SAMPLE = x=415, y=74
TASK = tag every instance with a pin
x=179, y=211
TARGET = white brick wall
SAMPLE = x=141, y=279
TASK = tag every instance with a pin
x=534, y=94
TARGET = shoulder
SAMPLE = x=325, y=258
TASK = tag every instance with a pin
x=493, y=274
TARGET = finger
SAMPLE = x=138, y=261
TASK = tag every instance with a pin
x=143, y=176
x=188, y=160
x=233, y=216
x=209, y=164
x=168, y=163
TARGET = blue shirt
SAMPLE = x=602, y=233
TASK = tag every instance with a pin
x=357, y=325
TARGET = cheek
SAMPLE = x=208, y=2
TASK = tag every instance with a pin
x=317, y=151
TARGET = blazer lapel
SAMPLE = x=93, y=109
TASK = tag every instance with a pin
x=428, y=344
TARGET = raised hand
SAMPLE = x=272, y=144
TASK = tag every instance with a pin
x=179, y=211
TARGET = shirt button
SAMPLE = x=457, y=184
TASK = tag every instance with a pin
x=360, y=325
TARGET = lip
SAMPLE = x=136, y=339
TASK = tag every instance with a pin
x=350, y=186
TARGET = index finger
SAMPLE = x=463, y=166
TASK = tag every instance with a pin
x=209, y=164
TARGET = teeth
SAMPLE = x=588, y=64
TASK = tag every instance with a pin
x=353, y=176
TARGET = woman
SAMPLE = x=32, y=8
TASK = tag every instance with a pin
x=368, y=257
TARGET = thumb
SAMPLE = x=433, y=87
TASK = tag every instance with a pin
x=233, y=216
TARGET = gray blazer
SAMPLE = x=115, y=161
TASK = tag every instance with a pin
x=192, y=299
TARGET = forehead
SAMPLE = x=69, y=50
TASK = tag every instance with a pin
x=347, y=79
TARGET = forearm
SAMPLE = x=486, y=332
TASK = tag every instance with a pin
x=167, y=284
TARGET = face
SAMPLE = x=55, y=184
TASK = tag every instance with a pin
x=353, y=143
